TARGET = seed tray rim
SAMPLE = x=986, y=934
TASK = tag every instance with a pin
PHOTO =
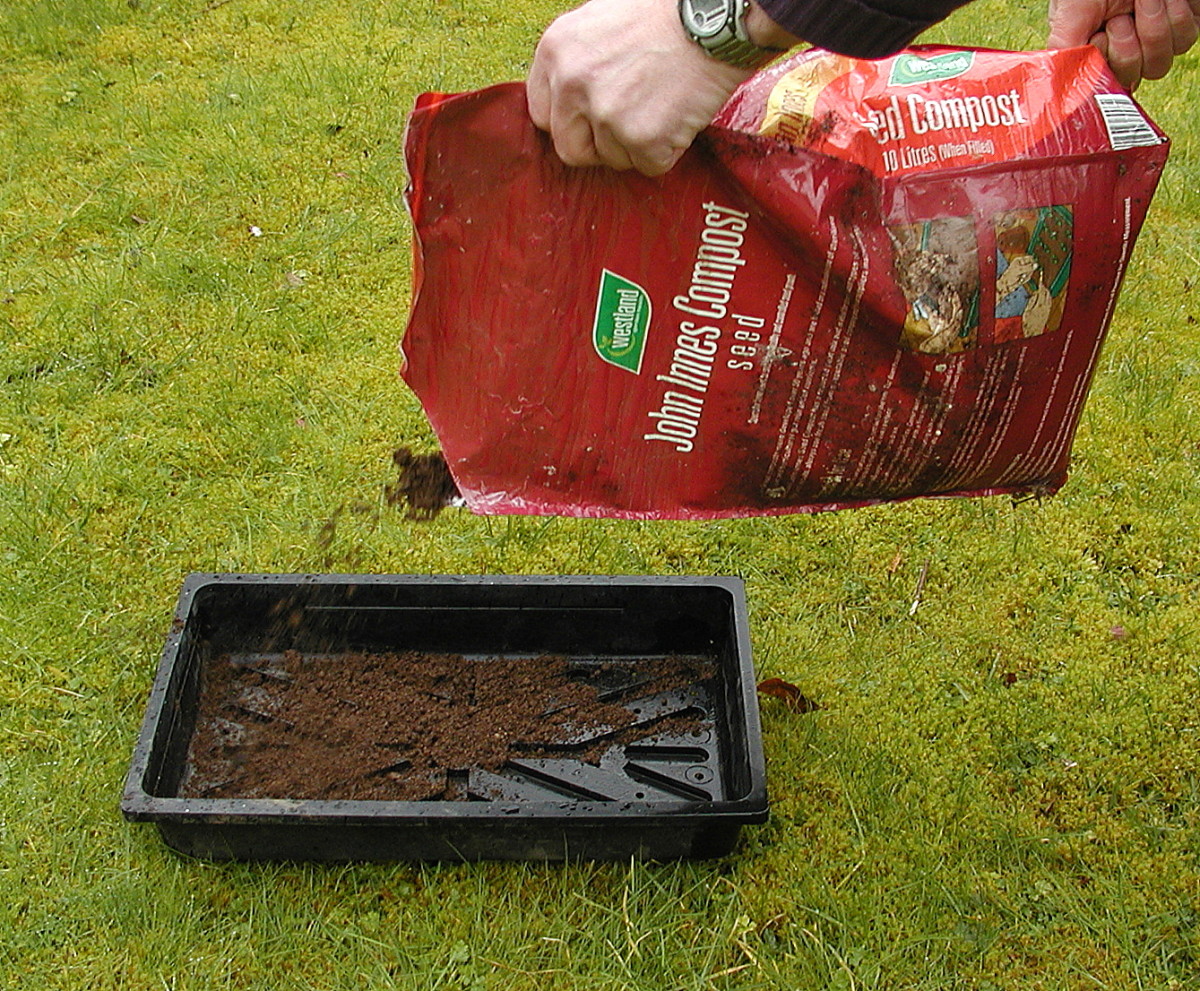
x=139, y=807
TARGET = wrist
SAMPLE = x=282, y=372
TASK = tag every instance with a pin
x=764, y=32
x=722, y=29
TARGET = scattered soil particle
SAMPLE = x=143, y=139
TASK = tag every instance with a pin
x=791, y=696
x=402, y=726
x=424, y=486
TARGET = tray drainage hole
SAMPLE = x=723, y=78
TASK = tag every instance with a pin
x=699, y=775
x=640, y=794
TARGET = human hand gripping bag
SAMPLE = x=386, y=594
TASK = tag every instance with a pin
x=866, y=281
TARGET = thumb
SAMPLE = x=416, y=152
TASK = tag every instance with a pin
x=1074, y=22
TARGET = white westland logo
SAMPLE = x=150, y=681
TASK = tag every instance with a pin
x=910, y=69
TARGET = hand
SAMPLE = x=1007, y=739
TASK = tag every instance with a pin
x=1140, y=38
x=619, y=83
x=1020, y=270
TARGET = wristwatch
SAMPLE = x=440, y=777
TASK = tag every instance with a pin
x=719, y=27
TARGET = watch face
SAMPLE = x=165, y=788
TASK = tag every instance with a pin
x=705, y=18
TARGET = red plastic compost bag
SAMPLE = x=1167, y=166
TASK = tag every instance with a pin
x=867, y=281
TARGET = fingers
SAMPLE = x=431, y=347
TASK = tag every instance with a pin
x=1139, y=38
x=584, y=134
x=561, y=108
x=572, y=135
x=619, y=83
x=591, y=139
x=648, y=145
x=577, y=141
x=570, y=131
x=580, y=140
x=537, y=93
x=1124, y=50
x=661, y=162
x=1155, y=37
x=609, y=149
x=1184, y=18
x=1144, y=45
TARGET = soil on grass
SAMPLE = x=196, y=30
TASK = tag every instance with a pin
x=404, y=726
x=424, y=486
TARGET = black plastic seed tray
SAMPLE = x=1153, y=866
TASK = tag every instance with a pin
x=679, y=781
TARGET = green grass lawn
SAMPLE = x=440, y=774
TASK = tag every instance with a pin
x=1001, y=788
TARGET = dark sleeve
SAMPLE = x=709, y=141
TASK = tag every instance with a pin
x=855, y=27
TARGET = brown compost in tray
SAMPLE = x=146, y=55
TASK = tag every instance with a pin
x=414, y=726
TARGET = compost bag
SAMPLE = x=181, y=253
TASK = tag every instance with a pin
x=866, y=281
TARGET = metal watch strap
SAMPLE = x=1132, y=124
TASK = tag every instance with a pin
x=744, y=54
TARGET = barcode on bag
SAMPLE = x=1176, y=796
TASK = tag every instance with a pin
x=1127, y=128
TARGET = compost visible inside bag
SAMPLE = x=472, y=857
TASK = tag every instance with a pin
x=867, y=281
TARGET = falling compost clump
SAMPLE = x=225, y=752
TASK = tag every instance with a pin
x=424, y=486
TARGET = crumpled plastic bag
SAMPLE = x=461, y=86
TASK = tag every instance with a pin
x=866, y=281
